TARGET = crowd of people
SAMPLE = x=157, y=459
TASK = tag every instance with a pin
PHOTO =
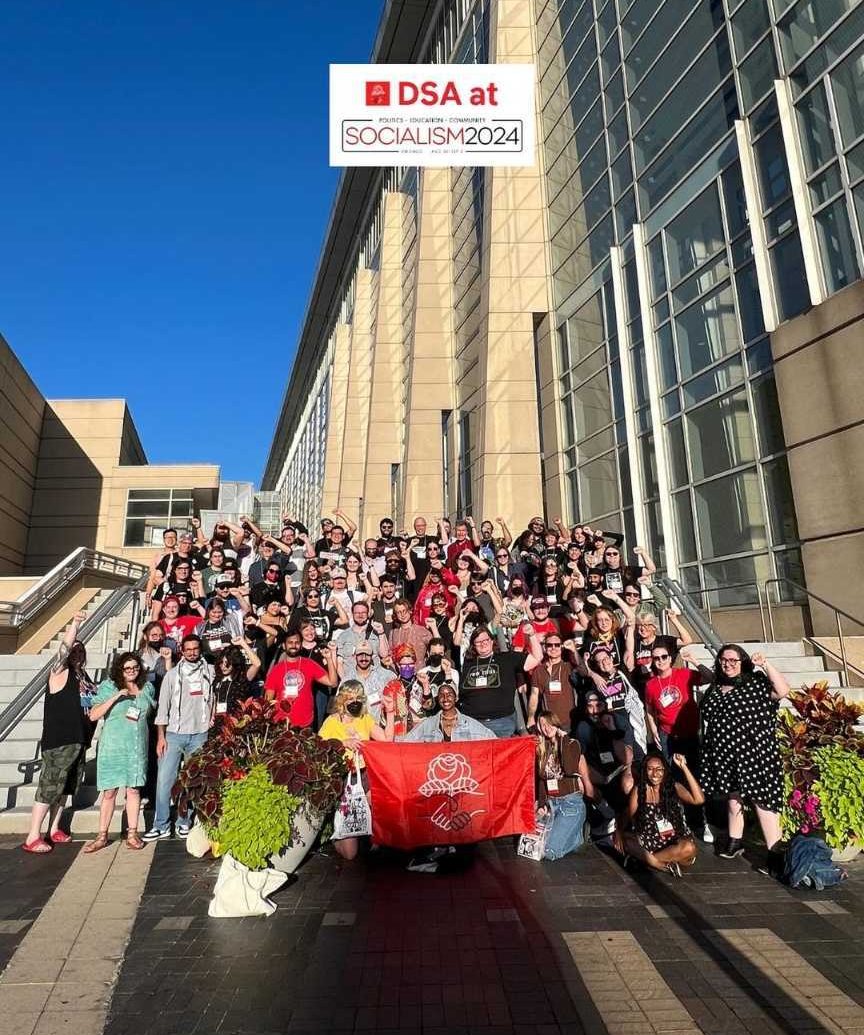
x=444, y=633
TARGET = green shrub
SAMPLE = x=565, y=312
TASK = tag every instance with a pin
x=257, y=818
x=840, y=788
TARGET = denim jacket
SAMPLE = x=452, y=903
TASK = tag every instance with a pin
x=429, y=731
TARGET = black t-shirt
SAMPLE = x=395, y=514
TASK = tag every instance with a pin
x=387, y=544
x=323, y=620
x=64, y=720
x=643, y=671
x=336, y=555
x=417, y=545
x=616, y=578
x=487, y=687
x=182, y=590
x=263, y=592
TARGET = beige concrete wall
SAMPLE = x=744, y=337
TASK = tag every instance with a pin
x=330, y=493
x=820, y=387
x=21, y=411
x=516, y=287
x=430, y=373
x=384, y=441
x=12, y=587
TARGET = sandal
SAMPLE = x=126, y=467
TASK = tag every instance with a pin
x=133, y=841
x=60, y=837
x=97, y=844
x=38, y=847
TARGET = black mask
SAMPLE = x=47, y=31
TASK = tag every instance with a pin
x=434, y=661
x=354, y=708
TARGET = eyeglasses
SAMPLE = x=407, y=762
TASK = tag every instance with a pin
x=660, y=657
x=131, y=668
x=730, y=661
x=502, y=556
x=632, y=594
x=611, y=553
x=312, y=596
x=552, y=643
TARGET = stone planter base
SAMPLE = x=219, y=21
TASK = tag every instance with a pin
x=240, y=891
x=306, y=825
x=847, y=854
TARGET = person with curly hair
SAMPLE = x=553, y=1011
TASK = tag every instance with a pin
x=124, y=700
x=660, y=837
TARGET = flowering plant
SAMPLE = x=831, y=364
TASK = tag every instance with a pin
x=820, y=719
x=275, y=764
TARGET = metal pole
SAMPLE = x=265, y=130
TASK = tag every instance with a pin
x=761, y=610
x=842, y=648
x=770, y=613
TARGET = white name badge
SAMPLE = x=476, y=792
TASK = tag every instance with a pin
x=665, y=828
x=481, y=681
x=221, y=707
x=551, y=597
x=554, y=686
x=133, y=713
x=374, y=697
x=552, y=786
x=667, y=698
x=606, y=757
x=214, y=645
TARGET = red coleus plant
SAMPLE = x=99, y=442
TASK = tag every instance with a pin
x=307, y=766
x=821, y=718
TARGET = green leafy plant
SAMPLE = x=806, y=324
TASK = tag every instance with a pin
x=257, y=818
x=840, y=789
x=305, y=770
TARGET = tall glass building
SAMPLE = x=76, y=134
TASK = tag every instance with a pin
x=656, y=329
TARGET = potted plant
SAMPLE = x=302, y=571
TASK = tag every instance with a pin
x=259, y=788
x=822, y=749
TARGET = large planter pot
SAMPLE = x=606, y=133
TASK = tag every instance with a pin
x=847, y=854
x=240, y=891
x=307, y=824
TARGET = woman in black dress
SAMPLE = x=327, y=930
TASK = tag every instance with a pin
x=740, y=758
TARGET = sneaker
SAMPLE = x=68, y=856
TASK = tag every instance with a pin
x=155, y=834
x=422, y=867
x=733, y=849
x=707, y=835
x=182, y=830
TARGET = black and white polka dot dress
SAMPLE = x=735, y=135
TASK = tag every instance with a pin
x=739, y=743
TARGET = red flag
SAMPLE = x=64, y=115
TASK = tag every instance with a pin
x=457, y=793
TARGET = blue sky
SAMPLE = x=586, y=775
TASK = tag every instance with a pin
x=164, y=191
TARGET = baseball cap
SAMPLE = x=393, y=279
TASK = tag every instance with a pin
x=363, y=647
x=338, y=573
x=187, y=537
x=540, y=600
x=224, y=580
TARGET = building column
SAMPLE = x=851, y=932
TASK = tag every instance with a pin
x=354, y=439
x=384, y=448
x=330, y=498
x=430, y=375
x=516, y=288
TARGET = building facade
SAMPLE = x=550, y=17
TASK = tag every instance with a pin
x=653, y=329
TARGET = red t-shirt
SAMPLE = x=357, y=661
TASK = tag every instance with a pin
x=671, y=701
x=541, y=631
x=182, y=625
x=292, y=682
x=454, y=549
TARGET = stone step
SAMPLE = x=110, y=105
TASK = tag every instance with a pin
x=80, y=821
x=783, y=648
x=21, y=769
x=16, y=747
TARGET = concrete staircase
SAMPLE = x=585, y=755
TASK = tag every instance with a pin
x=792, y=659
x=20, y=757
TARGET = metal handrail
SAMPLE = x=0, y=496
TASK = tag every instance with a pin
x=690, y=611
x=14, y=712
x=732, y=585
x=838, y=614
x=17, y=613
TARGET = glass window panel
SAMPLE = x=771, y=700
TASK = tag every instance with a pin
x=648, y=462
x=614, y=93
x=592, y=406
x=714, y=381
x=789, y=565
x=597, y=444
x=658, y=268
x=635, y=20
x=695, y=235
x=790, y=280
x=714, y=273
x=153, y=508
x=677, y=453
x=714, y=122
x=858, y=197
x=606, y=22
x=805, y=22
x=661, y=310
x=720, y=435
x=684, y=526
x=742, y=250
x=582, y=61
x=153, y=494
x=855, y=162
x=671, y=403
x=589, y=367
x=618, y=133
x=691, y=580
x=585, y=328
x=568, y=422
x=839, y=261
x=814, y=123
x=671, y=15
x=781, y=505
x=617, y=389
x=749, y=303
x=572, y=483
x=751, y=21
x=625, y=214
x=759, y=357
x=622, y=174
x=135, y=532
x=772, y=168
x=598, y=487
x=600, y=240
x=780, y=220
x=767, y=412
x=736, y=202
x=826, y=185
x=757, y=73
x=846, y=34
x=597, y=202
x=741, y=574
x=729, y=516
x=707, y=331
x=610, y=59
x=666, y=356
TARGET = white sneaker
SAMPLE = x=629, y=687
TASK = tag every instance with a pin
x=708, y=835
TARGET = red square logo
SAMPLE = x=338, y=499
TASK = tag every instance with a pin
x=377, y=93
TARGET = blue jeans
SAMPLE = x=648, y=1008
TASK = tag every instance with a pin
x=504, y=727
x=567, y=823
x=180, y=747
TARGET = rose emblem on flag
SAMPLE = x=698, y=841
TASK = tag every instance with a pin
x=449, y=775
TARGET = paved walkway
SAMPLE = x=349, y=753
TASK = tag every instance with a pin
x=504, y=946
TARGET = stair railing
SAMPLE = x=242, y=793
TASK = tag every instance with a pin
x=17, y=613
x=675, y=592
x=113, y=605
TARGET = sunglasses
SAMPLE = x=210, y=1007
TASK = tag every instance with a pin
x=552, y=643
x=660, y=657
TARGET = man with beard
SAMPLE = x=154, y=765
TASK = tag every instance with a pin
x=291, y=684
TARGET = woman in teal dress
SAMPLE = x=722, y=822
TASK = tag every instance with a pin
x=124, y=700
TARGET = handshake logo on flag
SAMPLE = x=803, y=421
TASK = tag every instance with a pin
x=450, y=776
